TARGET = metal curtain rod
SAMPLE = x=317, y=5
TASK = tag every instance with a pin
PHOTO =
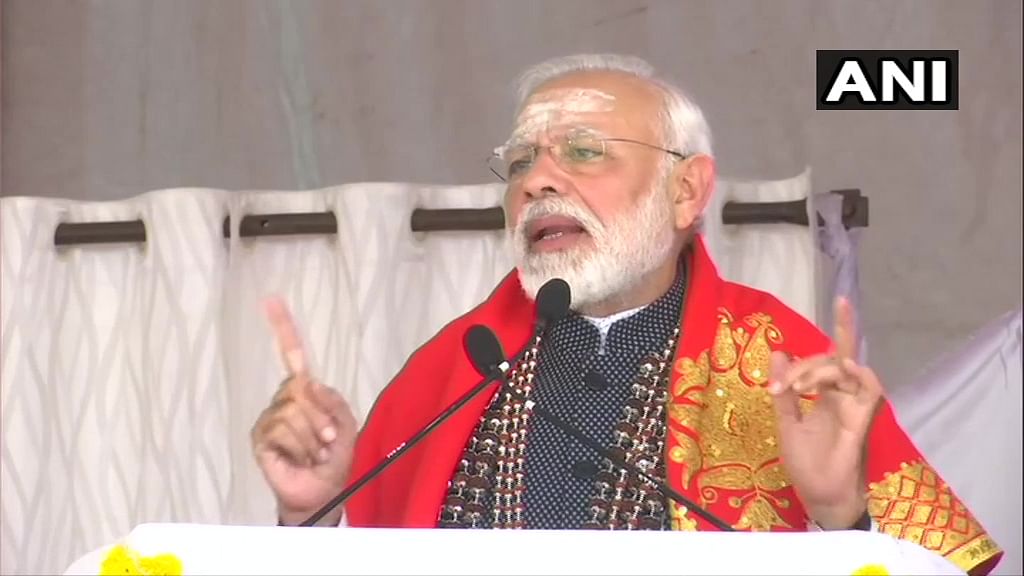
x=855, y=215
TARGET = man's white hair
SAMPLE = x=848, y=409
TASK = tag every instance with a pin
x=683, y=125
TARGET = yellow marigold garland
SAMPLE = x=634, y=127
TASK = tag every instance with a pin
x=123, y=561
x=871, y=570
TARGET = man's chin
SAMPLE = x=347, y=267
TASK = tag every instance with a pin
x=549, y=265
x=534, y=274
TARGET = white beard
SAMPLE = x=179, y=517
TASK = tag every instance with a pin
x=622, y=255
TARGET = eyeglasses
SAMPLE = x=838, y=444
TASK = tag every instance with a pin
x=574, y=153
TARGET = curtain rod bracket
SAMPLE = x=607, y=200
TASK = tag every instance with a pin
x=855, y=215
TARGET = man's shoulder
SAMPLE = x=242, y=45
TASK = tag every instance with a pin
x=747, y=304
x=798, y=334
x=751, y=298
x=506, y=306
x=440, y=365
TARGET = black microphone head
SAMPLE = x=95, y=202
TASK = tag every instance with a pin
x=484, y=349
x=553, y=301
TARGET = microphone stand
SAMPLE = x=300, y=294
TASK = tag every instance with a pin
x=496, y=373
x=621, y=462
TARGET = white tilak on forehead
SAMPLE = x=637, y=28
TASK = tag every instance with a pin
x=562, y=107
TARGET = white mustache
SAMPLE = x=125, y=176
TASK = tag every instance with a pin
x=558, y=207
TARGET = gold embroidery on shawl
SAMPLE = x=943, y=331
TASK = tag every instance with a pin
x=694, y=377
x=724, y=424
x=914, y=505
x=724, y=351
x=721, y=401
x=680, y=520
x=688, y=454
x=757, y=356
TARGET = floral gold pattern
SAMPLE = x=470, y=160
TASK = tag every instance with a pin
x=913, y=504
x=722, y=426
x=680, y=520
x=688, y=454
x=722, y=420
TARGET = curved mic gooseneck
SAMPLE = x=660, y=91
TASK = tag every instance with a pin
x=552, y=305
x=486, y=350
x=660, y=485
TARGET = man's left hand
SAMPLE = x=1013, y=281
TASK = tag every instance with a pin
x=823, y=448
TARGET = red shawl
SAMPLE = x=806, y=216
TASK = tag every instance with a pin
x=721, y=449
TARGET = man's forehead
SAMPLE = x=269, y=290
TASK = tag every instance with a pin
x=566, y=106
x=619, y=86
x=570, y=99
x=594, y=102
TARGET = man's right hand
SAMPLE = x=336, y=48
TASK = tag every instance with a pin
x=303, y=442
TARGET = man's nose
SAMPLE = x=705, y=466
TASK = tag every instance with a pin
x=545, y=176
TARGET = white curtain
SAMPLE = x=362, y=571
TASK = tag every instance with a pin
x=132, y=373
x=965, y=411
x=779, y=259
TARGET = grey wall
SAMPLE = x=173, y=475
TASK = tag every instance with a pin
x=107, y=99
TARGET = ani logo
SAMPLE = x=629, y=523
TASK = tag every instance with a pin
x=888, y=80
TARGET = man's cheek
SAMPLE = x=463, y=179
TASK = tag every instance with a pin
x=513, y=209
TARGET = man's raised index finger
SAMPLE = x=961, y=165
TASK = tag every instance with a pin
x=845, y=329
x=286, y=334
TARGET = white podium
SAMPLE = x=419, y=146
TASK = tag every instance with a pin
x=207, y=549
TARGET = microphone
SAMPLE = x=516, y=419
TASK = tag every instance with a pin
x=487, y=348
x=552, y=306
x=484, y=349
x=553, y=301
x=487, y=359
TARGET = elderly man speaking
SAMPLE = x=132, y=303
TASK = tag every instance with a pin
x=716, y=390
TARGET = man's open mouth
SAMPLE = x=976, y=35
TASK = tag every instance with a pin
x=554, y=233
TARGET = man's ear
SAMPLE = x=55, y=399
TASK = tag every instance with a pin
x=693, y=182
